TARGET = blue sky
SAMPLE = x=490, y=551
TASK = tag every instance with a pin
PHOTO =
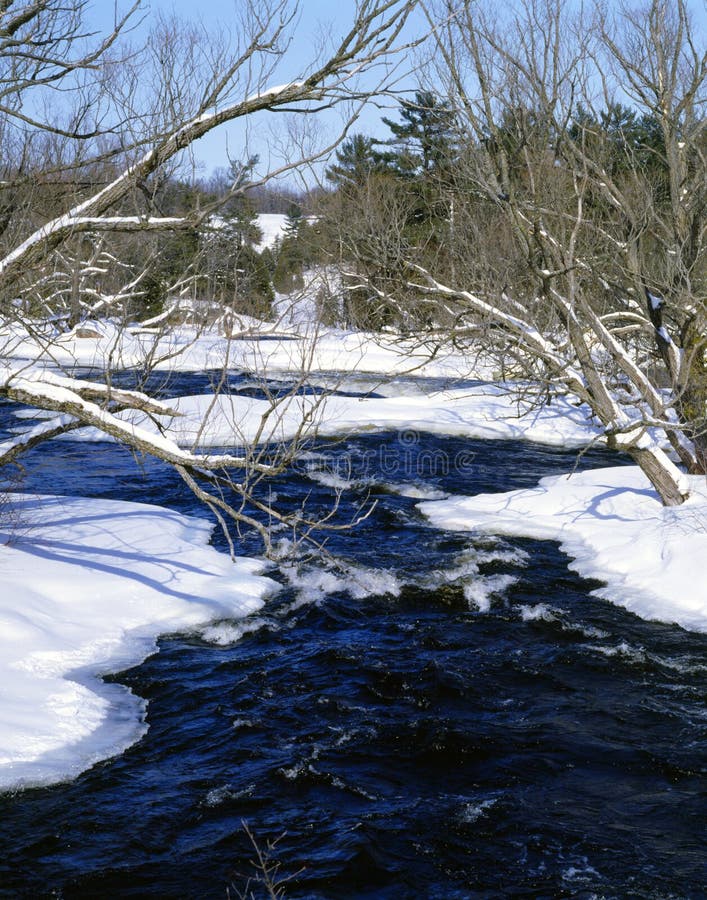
x=214, y=150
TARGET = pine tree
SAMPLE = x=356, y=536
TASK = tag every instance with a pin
x=356, y=160
x=424, y=139
x=294, y=220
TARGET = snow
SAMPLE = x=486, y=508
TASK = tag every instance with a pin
x=485, y=411
x=335, y=350
x=274, y=91
x=272, y=226
x=45, y=346
x=268, y=348
x=610, y=521
x=88, y=585
x=58, y=396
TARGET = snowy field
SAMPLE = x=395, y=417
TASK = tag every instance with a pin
x=270, y=349
x=88, y=585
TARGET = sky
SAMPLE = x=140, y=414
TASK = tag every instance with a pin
x=315, y=17
x=235, y=142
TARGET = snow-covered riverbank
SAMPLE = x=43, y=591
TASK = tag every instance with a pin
x=612, y=525
x=486, y=411
x=87, y=586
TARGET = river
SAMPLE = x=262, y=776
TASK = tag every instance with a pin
x=440, y=715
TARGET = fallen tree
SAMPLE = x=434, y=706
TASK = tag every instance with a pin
x=91, y=166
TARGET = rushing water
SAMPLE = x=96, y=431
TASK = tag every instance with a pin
x=447, y=716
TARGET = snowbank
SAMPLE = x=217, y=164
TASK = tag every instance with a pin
x=611, y=522
x=93, y=344
x=286, y=348
x=334, y=350
x=87, y=586
x=267, y=348
x=482, y=411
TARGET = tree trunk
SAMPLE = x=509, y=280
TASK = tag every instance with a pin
x=664, y=475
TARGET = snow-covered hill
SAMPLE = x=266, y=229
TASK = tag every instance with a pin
x=273, y=227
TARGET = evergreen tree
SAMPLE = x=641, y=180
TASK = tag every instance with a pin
x=625, y=140
x=238, y=278
x=291, y=255
x=424, y=139
x=398, y=189
x=294, y=220
x=356, y=160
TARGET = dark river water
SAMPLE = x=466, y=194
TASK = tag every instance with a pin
x=441, y=715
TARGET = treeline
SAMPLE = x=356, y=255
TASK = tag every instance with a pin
x=430, y=195
x=426, y=194
x=208, y=255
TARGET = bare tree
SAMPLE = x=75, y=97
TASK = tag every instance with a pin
x=80, y=177
x=583, y=145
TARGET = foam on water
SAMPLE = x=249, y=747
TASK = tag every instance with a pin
x=314, y=583
x=230, y=632
x=415, y=491
x=480, y=592
x=241, y=723
x=580, y=872
x=478, y=588
x=681, y=664
x=474, y=811
x=468, y=563
x=623, y=650
x=226, y=793
x=333, y=479
x=639, y=656
x=541, y=612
